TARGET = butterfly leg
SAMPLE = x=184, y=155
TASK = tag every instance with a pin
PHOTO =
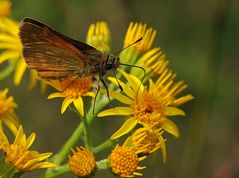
x=107, y=92
x=96, y=94
x=120, y=87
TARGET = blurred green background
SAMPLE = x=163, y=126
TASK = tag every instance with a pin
x=199, y=37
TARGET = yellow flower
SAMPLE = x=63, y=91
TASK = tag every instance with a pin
x=150, y=106
x=72, y=90
x=11, y=50
x=5, y=8
x=82, y=162
x=147, y=140
x=7, y=114
x=98, y=36
x=124, y=161
x=18, y=154
x=153, y=61
x=136, y=31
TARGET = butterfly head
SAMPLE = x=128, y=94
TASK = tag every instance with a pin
x=112, y=62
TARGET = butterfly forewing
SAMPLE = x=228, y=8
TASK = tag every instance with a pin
x=52, y=54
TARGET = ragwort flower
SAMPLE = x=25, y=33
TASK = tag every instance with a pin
x=124, y=161
x=72, y=89
x=18, y=155
x=147, y=106
x=7, y=113
x=147, y=140
x=82, y=162
x=136, y=31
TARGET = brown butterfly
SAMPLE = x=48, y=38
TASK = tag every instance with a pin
x=57, y=57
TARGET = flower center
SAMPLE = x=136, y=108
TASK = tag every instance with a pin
x=76, y=87
x=82, y=162
x=18, y=156
x=123, y=161
x=145, y=140
x=148, y=109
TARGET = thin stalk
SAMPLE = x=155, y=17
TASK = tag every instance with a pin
x=107, y=144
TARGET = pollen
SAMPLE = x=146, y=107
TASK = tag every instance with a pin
x=123, y=161
x=76, y=87
x=82, y=162
x=18, y=156
x=147, y=109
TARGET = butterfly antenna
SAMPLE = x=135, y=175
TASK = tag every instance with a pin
x=138, y=40
x=139, y=67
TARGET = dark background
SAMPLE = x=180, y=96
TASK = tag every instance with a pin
x=199, y=38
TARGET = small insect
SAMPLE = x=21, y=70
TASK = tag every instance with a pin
x=57, y=57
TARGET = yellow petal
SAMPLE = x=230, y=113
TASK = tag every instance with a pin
x=19, y=136
x=12, y=123
x=182, y=100
x=163, y=148
x=90, y=94
x=3, y=137
x=56, y=95
x=7, y=55
x=173, y=111
x=134, y=81
x=126, y=89
x=20, y=69
x=79, y=106
x=121, y=111
x=152, y=86
x=120, y=97
x=65, y=104
x=128, y=125
x=42, y=156
x=170, y=127
x=30, y=140
x=137, y=174
x=6, y=38
x=43, y=86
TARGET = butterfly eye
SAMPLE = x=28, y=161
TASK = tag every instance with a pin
x=109, y=66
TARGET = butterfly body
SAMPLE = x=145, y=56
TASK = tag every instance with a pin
x=56, y=56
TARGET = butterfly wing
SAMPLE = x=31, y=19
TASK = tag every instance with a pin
x=52, y=54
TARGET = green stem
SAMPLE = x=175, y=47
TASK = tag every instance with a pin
x=87, y=140
x=102, y=164
x=60, y=157
x=107, y=144
x=58, y=171
x=86, y=127
x=7, y=170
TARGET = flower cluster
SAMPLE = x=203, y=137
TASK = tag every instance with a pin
x=149, y=101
